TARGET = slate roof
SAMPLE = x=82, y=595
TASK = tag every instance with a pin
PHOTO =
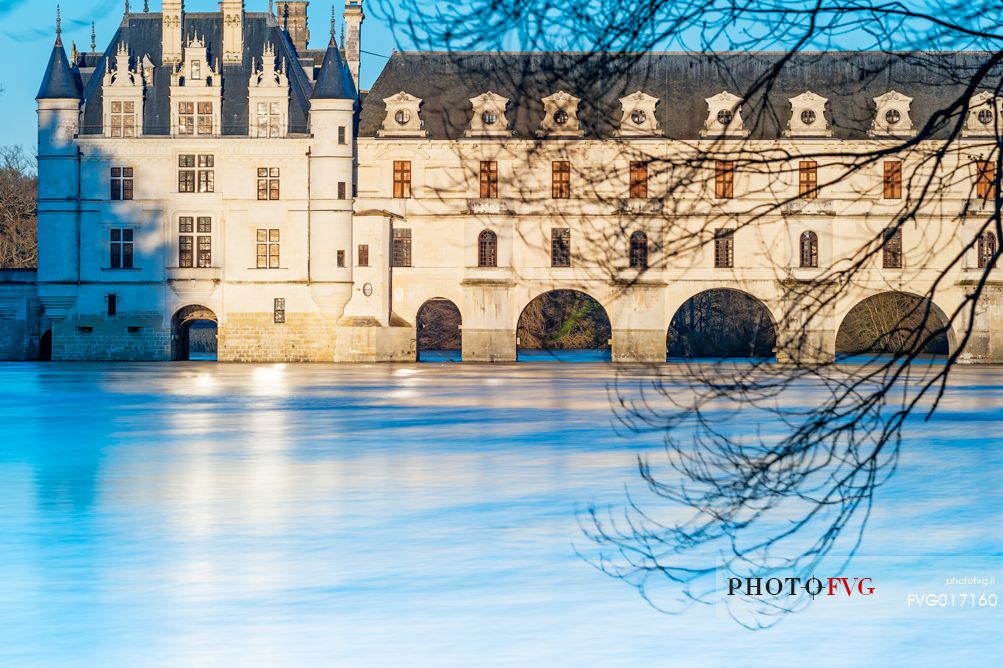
x=60, y=81
x=142, y=33
x=334, y=81
x=681, y=81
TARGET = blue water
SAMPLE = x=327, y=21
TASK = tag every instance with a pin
x=419, y=515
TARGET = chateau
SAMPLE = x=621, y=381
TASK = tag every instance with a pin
x=212, y=166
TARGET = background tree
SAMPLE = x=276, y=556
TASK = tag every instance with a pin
x=18, y=209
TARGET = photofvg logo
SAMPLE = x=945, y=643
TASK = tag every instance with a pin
x=845, y=587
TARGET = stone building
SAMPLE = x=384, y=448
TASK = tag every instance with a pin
x=211, y=166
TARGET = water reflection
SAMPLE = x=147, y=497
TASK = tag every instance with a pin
x=421, y=515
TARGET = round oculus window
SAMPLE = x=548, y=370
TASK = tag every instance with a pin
x=561, y=117
x=725, y=116
x=808, y=117
x=638, y=117
x=893, y=116
x=985, y=116
x=403, y=116
x=489, y=118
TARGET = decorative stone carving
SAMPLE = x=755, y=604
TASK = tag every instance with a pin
x=123, y=87
x=724, y=116
x=403, y=117
x=196, y=92
x=560, y=116
x=808, y=117
x=489, y=118
x=638, y=119
x=892, y=116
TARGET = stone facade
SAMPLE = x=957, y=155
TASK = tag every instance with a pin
x=237, y=206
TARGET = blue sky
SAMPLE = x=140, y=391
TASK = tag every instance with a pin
x=27, y=29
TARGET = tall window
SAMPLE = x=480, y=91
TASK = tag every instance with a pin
x=893, y=179
x=638, y=180
x=342, y=134
x=123, y=119
x=342, y=190
x=121, y=248
x=402, y=247
x=987, y=249
x=363, y=255
x=202, y=179
x=724, y=248
x=402, y=179
x=808, y=179
x=489, y=179
x=194, y=242
x=639, y=250
x=341, y=258
x=268, y=183
x=121, y=183
x=268, y=249
x=724, y=179
x=892, y=252
x=560, y=247
x=487, y=249
x=985, y=179
x=205, y=118
x=809, y=249
x=560, y=180
x=186, y=118
x=269, y=118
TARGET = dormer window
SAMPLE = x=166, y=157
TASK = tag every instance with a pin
x=268, y=98
x=892, y=116
x=983, y=115
x=808, y=116
x=196, y=93
x=560, y=116
x=638, y=119
x=488, y=119
x=403, y=118
x=123, y=88
x=724, y=116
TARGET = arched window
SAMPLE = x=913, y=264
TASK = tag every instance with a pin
x=809, y=249
x=639, y=250
x=487, y=249
x=987, y=249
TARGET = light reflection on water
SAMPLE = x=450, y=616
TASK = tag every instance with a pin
x=419, y=515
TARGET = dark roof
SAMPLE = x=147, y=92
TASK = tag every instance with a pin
x=681, y=82
x=143, y=34
x=334, y=81
x=60, y=81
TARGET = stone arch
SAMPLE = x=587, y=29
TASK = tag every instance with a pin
x=722, y=323
x=885, y=322
x=564, y=320
x=438, y=327
x=45, y=346
x=181, y=329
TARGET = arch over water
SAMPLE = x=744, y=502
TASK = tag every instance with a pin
x=194, y=333
x=564, y=325
x=439, y=336
x=722, y=323
x=894, y=322
x=45, y=346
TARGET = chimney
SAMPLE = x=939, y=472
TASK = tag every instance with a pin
x=233, y=31
x=353, y=44
x=173, y=21
x=292, y=17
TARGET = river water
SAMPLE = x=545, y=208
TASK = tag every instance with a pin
x=197, y=514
